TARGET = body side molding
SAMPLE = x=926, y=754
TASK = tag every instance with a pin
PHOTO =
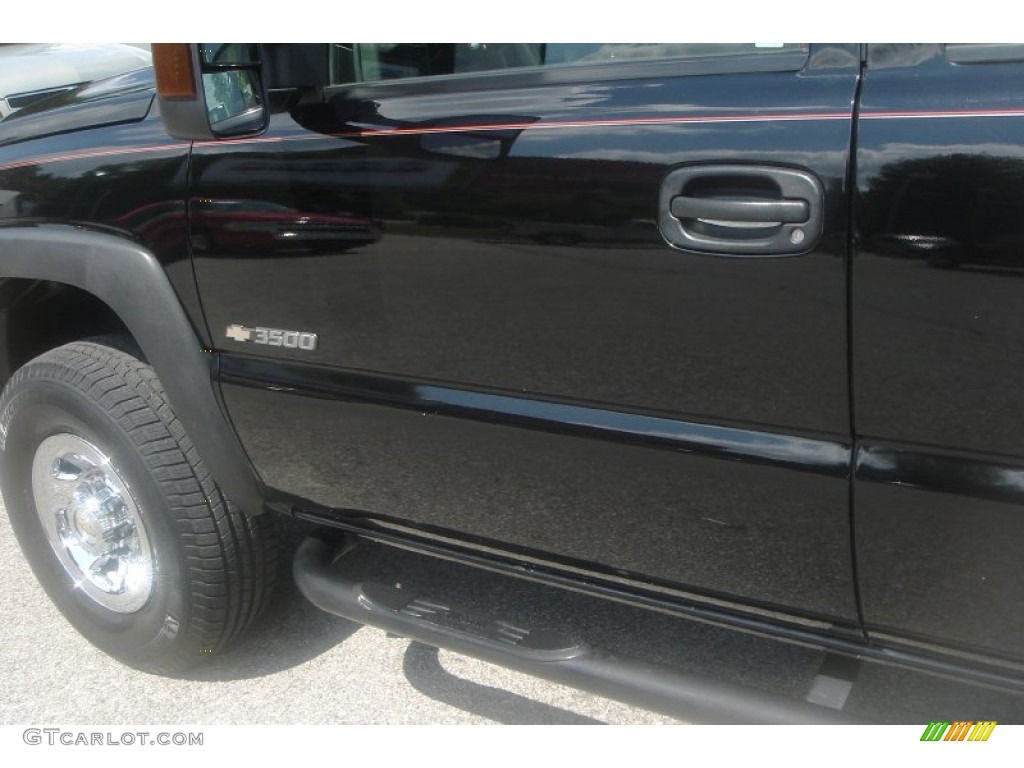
x=822, y=454
x=130, y=280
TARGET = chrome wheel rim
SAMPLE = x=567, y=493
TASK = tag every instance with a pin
x=92, y=522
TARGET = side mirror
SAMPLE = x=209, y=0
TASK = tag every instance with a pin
x=210, y=90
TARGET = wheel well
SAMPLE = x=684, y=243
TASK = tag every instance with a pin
x=38, y=315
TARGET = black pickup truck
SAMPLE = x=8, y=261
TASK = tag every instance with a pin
x=734, y=333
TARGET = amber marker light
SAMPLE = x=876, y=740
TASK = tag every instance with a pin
x=172, y=63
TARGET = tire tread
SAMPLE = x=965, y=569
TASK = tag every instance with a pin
x=231, y=557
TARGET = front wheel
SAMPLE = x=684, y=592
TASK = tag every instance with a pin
x=117, y=514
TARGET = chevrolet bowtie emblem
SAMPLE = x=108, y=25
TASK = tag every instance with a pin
x=238, y=333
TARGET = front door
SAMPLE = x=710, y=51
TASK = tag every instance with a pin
x=582, y=305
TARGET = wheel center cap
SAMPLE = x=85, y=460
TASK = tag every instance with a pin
x=88, y=525
x=93, y=522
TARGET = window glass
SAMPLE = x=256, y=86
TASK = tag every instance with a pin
x=369, y=62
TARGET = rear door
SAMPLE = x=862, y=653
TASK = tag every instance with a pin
x=938, y=287
x=583, y=305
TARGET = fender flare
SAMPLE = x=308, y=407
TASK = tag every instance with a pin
x=131, y=281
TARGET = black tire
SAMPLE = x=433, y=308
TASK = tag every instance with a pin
x=213, y=568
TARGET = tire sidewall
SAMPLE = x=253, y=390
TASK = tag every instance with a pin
x=35, y=409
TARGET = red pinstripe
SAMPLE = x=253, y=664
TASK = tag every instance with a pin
x=550, y=125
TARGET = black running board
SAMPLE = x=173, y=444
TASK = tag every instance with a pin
x=650, y=686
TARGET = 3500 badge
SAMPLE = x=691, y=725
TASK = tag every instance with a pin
x=273, y=337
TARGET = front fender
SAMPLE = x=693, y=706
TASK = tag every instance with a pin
x=131, y=281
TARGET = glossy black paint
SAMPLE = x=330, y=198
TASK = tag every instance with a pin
x=520, y=259
x=513, y=361
x=452, y=453
x=941, y=567
x=937, y=341
x=728, y=529
x=523, y=267
x=100, y=157
x=963, y=475
x=806, y=454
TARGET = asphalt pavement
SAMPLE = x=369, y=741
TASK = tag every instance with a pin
x=302, y=666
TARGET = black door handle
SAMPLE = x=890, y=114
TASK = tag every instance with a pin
x=742, y=210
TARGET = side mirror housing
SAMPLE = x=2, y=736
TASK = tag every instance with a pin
x=211, y=90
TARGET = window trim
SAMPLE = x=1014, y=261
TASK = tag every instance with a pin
x=984, y=53
x=792, y=60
